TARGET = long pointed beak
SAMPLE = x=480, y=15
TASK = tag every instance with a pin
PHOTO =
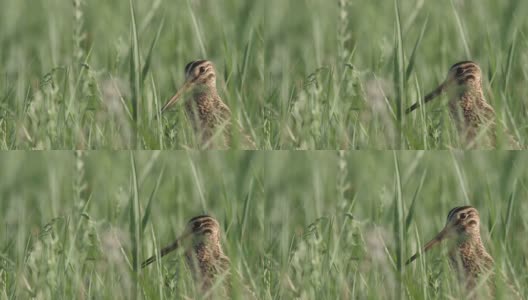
x=177, y=96
x=436, y=240
x=175, y=245
x=432, y=95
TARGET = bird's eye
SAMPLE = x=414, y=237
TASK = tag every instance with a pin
x=459, y=71
x=202, y=69
x=463, y=216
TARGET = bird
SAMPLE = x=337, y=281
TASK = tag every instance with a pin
x=467, y=256
x=210, y=117
x=203, y=252
x=473, y=116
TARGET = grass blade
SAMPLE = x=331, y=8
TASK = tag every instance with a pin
x=146, y=216
x=410, y=66
x=461, y=180
x=135, y=73
x=410, y=214
x=247, y=53
x=509, y=212
x=399, y=73
x=247, y=203
x=134, y=218
x=398, y=224
x=197, y=31
x=148, y=59
x=511, y=52
x=198, y=183
x=461, y=31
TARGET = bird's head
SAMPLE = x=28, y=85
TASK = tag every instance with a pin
x=199, y=74
x=463, y=223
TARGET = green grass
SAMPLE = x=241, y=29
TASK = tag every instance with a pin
x=314, y=225
x=307, y=74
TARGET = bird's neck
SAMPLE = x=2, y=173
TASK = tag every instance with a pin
x=467, y=98
x=469, y=249
x=205, y=253
x=204, y=91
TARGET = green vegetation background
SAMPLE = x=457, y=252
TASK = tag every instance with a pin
x=309, y=74
x=317, y=225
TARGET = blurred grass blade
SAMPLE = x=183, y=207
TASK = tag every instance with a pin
x=491, y=218
x=507, y=221
x=410, y=214
x=461, y=31
x=148, y=59
x=135, y=73
x=398, y=224
x=247, y=203
x=410, y=66
x=197, y=31
x=198, y=183
x=511, y=52
x=146, y=216
x=247, y=53
x=399, y=73
x=461, y=180
x=134, y=217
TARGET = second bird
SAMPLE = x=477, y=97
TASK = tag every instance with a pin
x=209, y=115
x=473, y=116
x=467, y=254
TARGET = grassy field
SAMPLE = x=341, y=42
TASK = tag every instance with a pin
x=309, y=74
x=296, y=225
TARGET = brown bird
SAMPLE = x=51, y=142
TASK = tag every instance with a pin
x=203, y=251
x=209, y=115
x=467, y=255
x=473, y=116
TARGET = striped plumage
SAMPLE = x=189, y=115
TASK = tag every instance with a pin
x=203, y=254
x=210, y=117
x=467, y=254
x=473, y=116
